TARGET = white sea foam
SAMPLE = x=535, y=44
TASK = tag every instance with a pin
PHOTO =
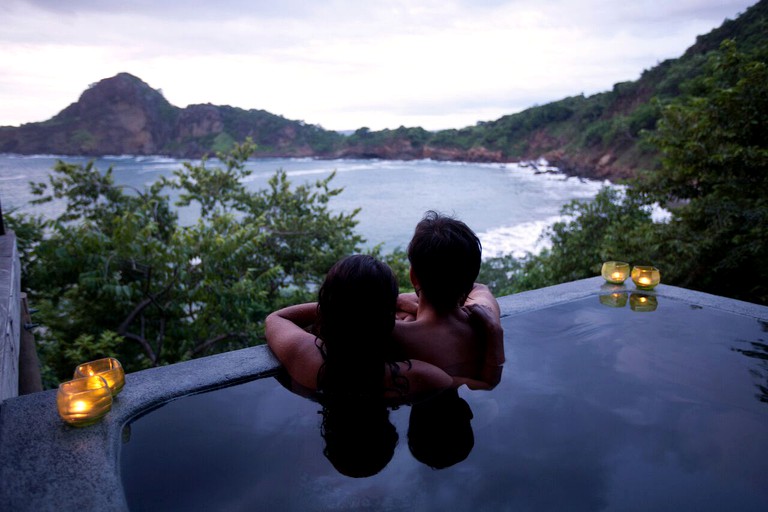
x=659, y=214
x=14, y=178
x=516, y=240
x=152, y=159
x=124, y=157
x=329, y=170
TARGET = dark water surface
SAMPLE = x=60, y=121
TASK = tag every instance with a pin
x=599, y=408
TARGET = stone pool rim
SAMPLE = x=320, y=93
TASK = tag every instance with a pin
x=47, y=465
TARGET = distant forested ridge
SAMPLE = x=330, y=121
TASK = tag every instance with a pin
x=596, y=136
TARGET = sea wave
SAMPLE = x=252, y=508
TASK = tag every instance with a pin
x=517, y=240
x=14, y=178
x=328, y=170
x=152, y=159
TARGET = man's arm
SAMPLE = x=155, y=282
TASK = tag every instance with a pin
x=482, y=296
x=493, y=334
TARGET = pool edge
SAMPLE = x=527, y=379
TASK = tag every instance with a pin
x=46, y=465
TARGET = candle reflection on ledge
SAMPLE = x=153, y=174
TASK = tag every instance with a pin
x=614, y=300
x=643, y=303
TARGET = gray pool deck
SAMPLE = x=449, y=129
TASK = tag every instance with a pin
x=47, y=465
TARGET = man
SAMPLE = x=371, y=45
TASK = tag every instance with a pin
x=451, y=321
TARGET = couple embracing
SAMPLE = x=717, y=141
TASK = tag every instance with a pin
x=364, y=341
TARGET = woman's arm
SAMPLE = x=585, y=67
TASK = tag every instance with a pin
x=303, y=315
x=293, y=346
x=407, y=306
x=424, y=380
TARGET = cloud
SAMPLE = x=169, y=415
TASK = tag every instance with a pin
x=331, y=62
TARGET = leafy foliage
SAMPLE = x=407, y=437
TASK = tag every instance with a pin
x=715, y=165
x=116, y=274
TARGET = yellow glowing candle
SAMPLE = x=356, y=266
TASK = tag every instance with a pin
x=615, y=272
x=109, y=368
x=84, y=401
x=646, y=278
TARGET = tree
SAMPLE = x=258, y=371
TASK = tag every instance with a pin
x=116, y=275
x=714, y=174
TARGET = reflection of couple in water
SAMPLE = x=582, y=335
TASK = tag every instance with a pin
x=360, y=440
x=362, y=347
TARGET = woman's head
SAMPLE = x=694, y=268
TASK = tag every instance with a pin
x=356, y=315
x=358, y=292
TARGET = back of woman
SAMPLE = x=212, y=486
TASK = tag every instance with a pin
x=341, y=346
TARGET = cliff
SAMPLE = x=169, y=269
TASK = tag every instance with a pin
x=123, y=115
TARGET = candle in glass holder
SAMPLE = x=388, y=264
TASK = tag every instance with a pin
x=82, y=402
x=109, y=368
x=615, y=272
x=645, y=278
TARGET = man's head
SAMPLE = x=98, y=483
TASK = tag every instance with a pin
x=445, y=260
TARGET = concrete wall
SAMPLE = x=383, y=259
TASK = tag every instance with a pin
x=10, y=316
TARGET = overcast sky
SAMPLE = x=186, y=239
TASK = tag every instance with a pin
x=343, y=64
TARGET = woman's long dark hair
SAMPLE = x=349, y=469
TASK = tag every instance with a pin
x=359, y=438
x=356, y=315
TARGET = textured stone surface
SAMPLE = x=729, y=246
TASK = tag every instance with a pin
x=48, y=465
x=10, y=316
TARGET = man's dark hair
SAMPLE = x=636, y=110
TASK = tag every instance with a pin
x=445, y=256
x=440, y=430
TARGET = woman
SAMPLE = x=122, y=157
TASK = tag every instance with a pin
x=341, y=348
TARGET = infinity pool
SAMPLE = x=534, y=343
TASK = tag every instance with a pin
x=619, y=402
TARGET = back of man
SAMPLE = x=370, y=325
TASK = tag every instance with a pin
x=448, y=342
x=433, y=326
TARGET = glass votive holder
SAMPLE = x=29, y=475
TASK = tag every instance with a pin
x=645, y=278
x=643, y=303
x=615, y=272
x=82, y=402
x=614, y=300
x=109, y=368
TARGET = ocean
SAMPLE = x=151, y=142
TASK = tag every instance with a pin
x=508, y=205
